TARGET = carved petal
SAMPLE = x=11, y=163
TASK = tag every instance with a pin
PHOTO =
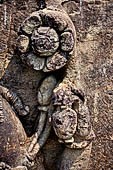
x=57, y=61
x=35, y=62
x=67, y=41
x=31, y=22
x=23, y=43
x=54, y=19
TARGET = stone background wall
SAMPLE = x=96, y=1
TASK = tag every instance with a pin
x=93, y=21
x=94, y=24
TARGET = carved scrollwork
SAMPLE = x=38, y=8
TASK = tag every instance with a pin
x=46, y=40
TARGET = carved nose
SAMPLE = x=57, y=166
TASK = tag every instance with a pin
x=45, y=41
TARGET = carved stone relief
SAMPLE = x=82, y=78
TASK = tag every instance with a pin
x=14, y=143
x=46, y=42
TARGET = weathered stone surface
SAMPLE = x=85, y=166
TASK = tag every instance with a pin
x=76, y=163
x=65, y=123
x=23, y=43
x=45, y=90
x=92, y=70
x=12, y=137
x=93, y=21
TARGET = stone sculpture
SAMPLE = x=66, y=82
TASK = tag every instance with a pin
x=46, y=42
x=14, y=143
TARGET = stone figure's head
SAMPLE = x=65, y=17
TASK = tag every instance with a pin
x=46, y=40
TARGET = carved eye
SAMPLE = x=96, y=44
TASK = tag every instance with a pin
x=46, y=40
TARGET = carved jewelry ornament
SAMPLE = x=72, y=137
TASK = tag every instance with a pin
x=46, y=40
x=71, y=119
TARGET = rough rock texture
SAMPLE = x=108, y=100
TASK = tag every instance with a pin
x=12, y=140
x=92, y=71
x=94, y=24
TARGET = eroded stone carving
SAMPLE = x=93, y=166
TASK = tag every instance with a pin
x=46, y=42
x=71, y=120
x=52, y=38
x=14, y=143
x=14, y=100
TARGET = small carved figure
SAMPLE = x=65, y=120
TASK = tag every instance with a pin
x=71, y=121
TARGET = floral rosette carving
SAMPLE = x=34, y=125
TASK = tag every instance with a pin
x=46, y=40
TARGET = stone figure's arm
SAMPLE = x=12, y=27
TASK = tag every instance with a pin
x=14, y=100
